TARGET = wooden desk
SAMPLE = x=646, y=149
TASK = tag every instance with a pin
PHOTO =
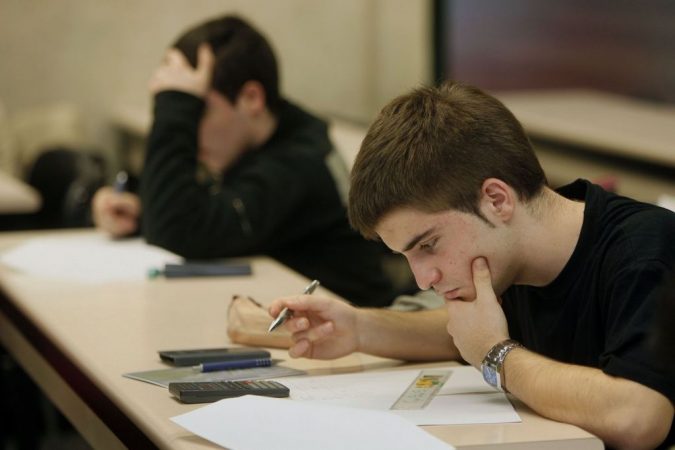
x=605, y=122
x=580, y=133
x=77, y=340
x=17, y=197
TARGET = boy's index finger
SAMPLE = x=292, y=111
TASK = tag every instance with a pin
x=482, y=279
x=205, y=59
x=175, y=57
x=284, y=302
x=300, y=303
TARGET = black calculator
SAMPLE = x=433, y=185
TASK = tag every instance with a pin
x=211, y=391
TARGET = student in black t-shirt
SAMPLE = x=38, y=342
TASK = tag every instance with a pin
x=663, y=331
x=551, y=294
x=275, y=184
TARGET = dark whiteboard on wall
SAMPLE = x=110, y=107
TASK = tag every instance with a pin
x=621, y=46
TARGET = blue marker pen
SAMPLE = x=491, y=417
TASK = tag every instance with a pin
x=189, y=269
x=235, y=364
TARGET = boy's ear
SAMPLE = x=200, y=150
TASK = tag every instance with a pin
x=497, y=200
x=252, y=97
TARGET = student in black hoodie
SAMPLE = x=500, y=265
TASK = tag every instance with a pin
x=273, y=183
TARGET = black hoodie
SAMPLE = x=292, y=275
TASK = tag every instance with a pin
x=280, y=200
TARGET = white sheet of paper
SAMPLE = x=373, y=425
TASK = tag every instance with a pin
x=89, y=259
x=464, y=399
x=253, y=423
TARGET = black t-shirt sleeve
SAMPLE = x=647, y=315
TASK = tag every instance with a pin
x=631, y=303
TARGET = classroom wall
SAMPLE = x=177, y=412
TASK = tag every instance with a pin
x=343, y=58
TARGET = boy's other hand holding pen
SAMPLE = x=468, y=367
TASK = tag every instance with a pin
x=325, y=327
x=286, y=313
x=115, y=210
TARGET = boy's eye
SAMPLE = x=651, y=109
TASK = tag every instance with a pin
x=429, y=245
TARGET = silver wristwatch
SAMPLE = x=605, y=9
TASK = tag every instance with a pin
x=492, y=366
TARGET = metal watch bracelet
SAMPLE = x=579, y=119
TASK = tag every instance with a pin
x=492, y=366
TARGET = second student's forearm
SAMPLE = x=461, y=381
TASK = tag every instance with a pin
x=621, y=412
x=410, y=336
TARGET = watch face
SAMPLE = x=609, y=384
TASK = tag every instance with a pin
x=490, y=375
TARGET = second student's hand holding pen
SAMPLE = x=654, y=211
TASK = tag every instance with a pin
x=115, y=210
x=322, y=327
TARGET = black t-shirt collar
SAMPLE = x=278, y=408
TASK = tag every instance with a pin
x=587, y=192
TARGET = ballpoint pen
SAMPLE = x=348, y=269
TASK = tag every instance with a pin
x=286, y=313
x=235, y=364
x=121, y=180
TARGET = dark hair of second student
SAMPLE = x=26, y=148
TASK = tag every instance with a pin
x=431, y=150
x=242, y=54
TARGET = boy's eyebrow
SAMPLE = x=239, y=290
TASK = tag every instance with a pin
x=418, y=238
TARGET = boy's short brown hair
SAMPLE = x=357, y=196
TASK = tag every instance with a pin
x=432, y=149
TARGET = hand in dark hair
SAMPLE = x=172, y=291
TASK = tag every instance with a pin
x=176, y=74
x=242, y=54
